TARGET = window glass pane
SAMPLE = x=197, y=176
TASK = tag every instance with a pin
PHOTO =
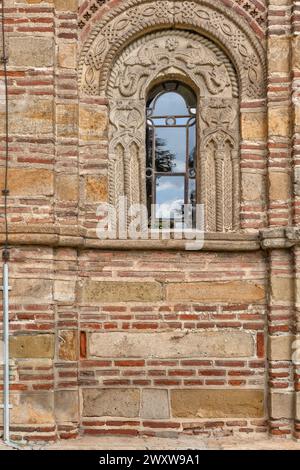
x=170, y=104
x=169, y=197
x=192, y=146
x=170, y=149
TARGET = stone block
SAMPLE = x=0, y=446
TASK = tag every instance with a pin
x=297, y=406
x=111, y=402
x=92, y=122
x=280, y=121
x=280, y=348
x=280, y=186
x=32, y=346
x=173, y=344
x=96, y=189
x=217, y=403
x=67, y=55
x=155, y=404
x=34, y=408
x=29, y=182
x=282, y=289
x=67, y=120
x=229, y=292
x=29, y=115
x=31, y=291
x=252, y=186
x=68, y=345
x=254, y=126
x=279, y=54
x=66, y=187
x=64, y=291
x=66, y=5
x=282, y=405
x=120, y=291
x=28, y=51
x=66, y=406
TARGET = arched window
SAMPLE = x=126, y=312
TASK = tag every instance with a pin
x=171, y=173
x=184, y=149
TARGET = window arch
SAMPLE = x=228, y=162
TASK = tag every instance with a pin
x=174, y=58
x=171, y=146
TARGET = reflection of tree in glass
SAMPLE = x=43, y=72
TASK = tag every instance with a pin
x=165, y=160
x=192, y=158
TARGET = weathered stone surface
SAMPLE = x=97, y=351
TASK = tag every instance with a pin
x=66, y=406
x=34, y=408
x=32, y=346
x=298, y=406
x=28, y=51
x=96, y=189
x=29, y=115
x=279, y=54
x=120, y=291
x=155, y=404
x=64, y=291
x=67, y=120
x=66, y=187
x=172, y=344
x=111, y=402
x=252, y=186
x=280, y=348
x=280, y=186
x=254, y=126
x=67, y=55
x=29, y=182
x=279, y=121
x=221, y=403
x=234, y=292
x=66, y=5
x=281, y=289
x=68, y=345
x=296, y=52
x=92, y=122
x=31, y=290
x=282, y=405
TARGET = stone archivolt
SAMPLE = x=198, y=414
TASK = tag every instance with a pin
x=254, y=10
x=129, y=21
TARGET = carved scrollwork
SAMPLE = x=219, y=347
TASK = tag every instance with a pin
x=212, y=19
x=179, y=51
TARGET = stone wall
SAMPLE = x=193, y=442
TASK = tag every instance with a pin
x=144, y=337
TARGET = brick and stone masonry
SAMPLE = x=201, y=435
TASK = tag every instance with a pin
x=144, y=337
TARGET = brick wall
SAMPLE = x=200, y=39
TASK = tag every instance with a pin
x=128, y=338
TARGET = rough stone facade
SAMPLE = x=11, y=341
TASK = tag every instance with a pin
x=143, y=337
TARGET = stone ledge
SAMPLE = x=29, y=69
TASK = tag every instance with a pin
x=54, y=235
x=79, y=237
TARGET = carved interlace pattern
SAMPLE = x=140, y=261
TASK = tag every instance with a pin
x=257, y=11
x=133, y=17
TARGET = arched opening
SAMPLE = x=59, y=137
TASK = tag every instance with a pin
x=171, y=152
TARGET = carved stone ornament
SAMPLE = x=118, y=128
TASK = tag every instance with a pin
x=210, y=18
x=142, y=43
x=189, y=57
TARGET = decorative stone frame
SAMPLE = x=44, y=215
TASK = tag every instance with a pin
x=226, y=38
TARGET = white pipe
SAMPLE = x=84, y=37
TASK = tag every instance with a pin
x=6, y=417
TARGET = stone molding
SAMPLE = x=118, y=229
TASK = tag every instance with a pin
x=133, y=18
